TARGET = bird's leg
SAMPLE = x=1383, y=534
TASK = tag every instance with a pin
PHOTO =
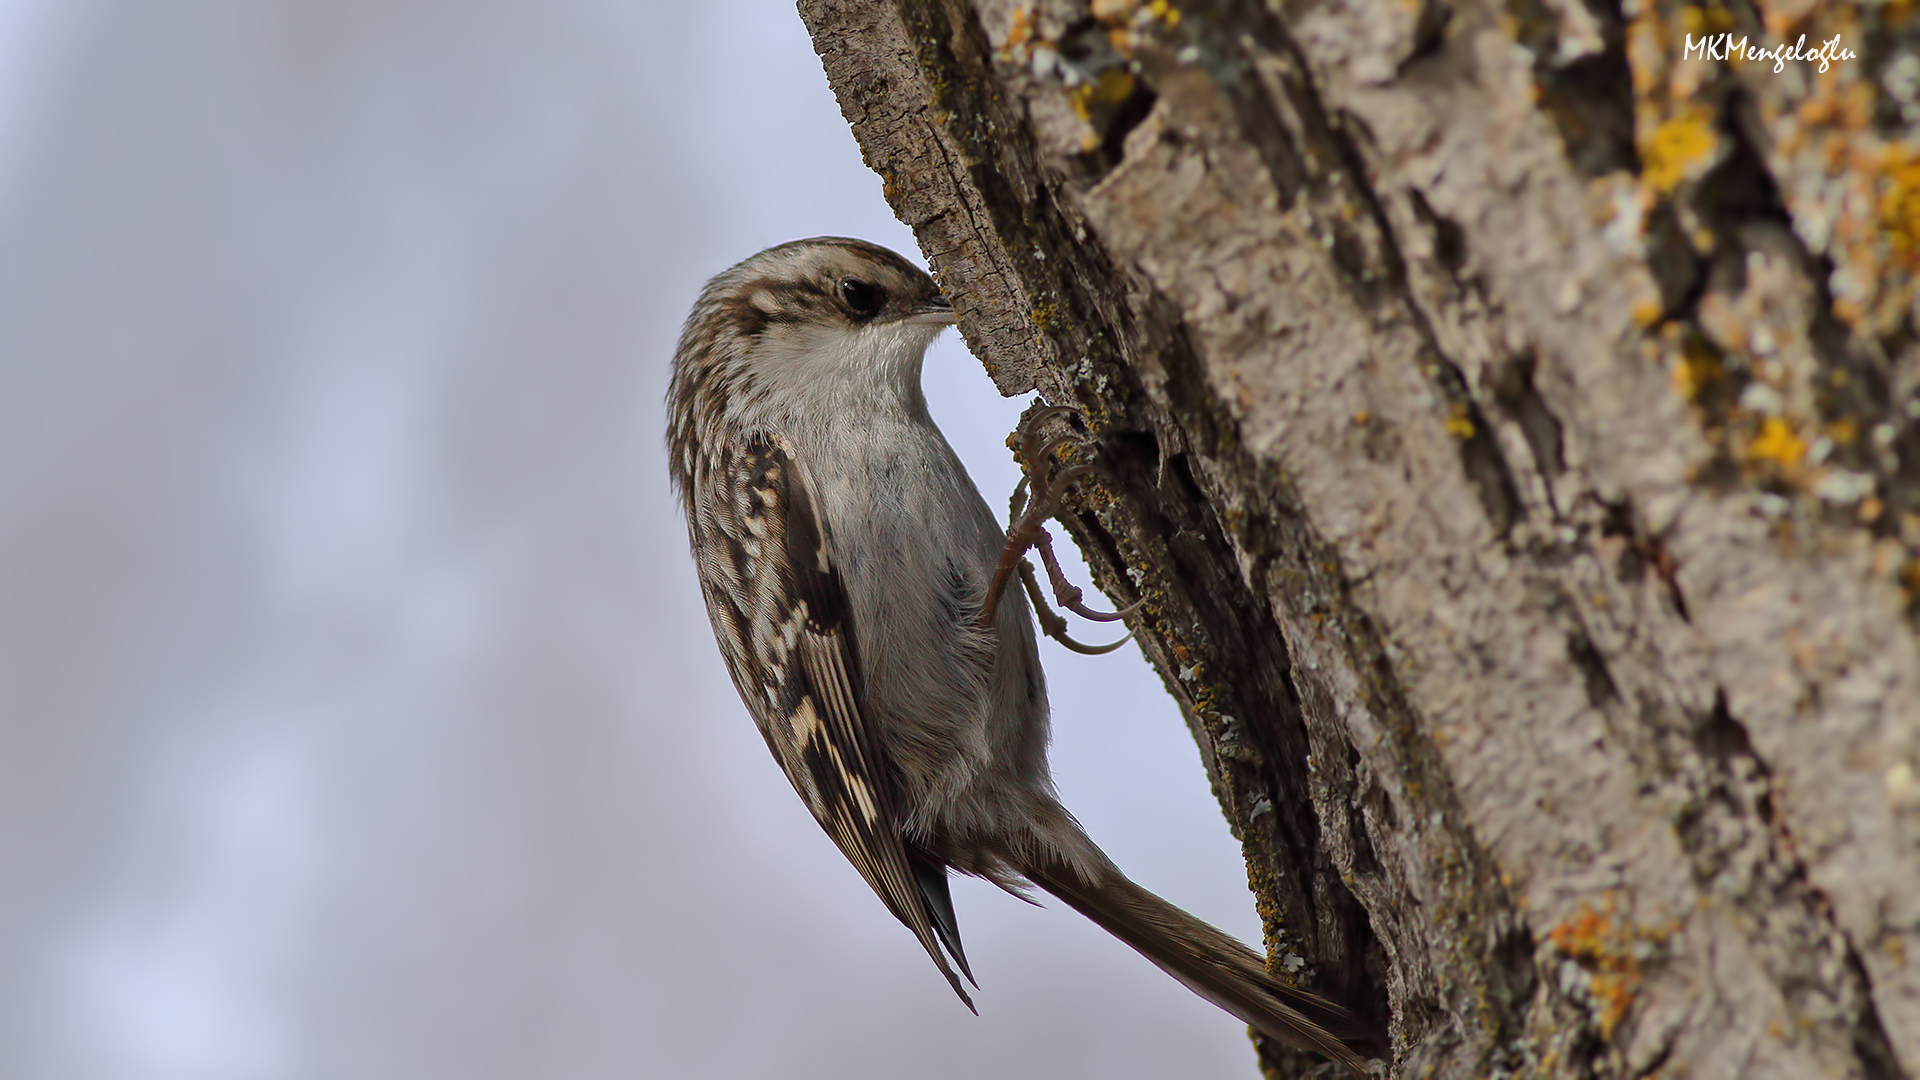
x=1042, y=489
x=1019, y=538
x=1022, y=522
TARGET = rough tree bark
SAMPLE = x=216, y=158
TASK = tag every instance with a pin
x=1510, y=419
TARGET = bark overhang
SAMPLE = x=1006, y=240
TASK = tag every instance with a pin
x=1560, y=707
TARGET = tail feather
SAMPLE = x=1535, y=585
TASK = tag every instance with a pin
x=1209, y=962
x=932, y=879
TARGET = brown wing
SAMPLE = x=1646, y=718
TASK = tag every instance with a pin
x=780, y=609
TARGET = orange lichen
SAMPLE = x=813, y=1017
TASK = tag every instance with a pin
x=1900, y=207
x=1021, y=32
x=1676, y=149
x=1604, y=947
x=1849, y=181
x=1823, y=121
x=1586, y=934
x=1777, y=443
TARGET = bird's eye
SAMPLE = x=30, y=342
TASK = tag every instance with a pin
x=862, y=298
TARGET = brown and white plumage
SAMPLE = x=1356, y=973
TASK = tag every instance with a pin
x=845, y=557
x=776, y=597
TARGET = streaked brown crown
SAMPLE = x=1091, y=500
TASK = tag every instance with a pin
x=827, y=280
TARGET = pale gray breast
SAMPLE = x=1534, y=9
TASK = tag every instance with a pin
x=917, y=546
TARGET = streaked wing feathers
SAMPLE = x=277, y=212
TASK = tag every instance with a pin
x=780, y=608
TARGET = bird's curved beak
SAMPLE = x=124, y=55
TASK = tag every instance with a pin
x=936, y=312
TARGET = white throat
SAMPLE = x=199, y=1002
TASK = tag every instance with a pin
x=815, y=372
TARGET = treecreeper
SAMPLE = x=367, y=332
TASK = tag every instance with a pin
x=863, y=597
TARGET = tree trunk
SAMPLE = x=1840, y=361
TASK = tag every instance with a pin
x=1509, y=418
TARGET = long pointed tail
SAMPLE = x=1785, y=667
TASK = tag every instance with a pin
x=1209, y=962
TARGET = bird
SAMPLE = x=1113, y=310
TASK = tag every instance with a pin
x=846, y=560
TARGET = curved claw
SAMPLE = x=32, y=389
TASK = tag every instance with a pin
x=1043, y=456
x=1061, y=482
x=1047, y=413
x=1055, y=627
x=1103, y=616
x=1090, y=650
x=1032, y=450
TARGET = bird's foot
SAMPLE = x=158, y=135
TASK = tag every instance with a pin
x=1035, y=499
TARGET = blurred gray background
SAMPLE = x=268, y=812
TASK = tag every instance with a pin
x=358, y=716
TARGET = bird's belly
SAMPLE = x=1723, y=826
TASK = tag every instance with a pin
x=957, y=706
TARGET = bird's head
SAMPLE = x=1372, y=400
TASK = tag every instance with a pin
x=826, y=308
x=807, y=332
